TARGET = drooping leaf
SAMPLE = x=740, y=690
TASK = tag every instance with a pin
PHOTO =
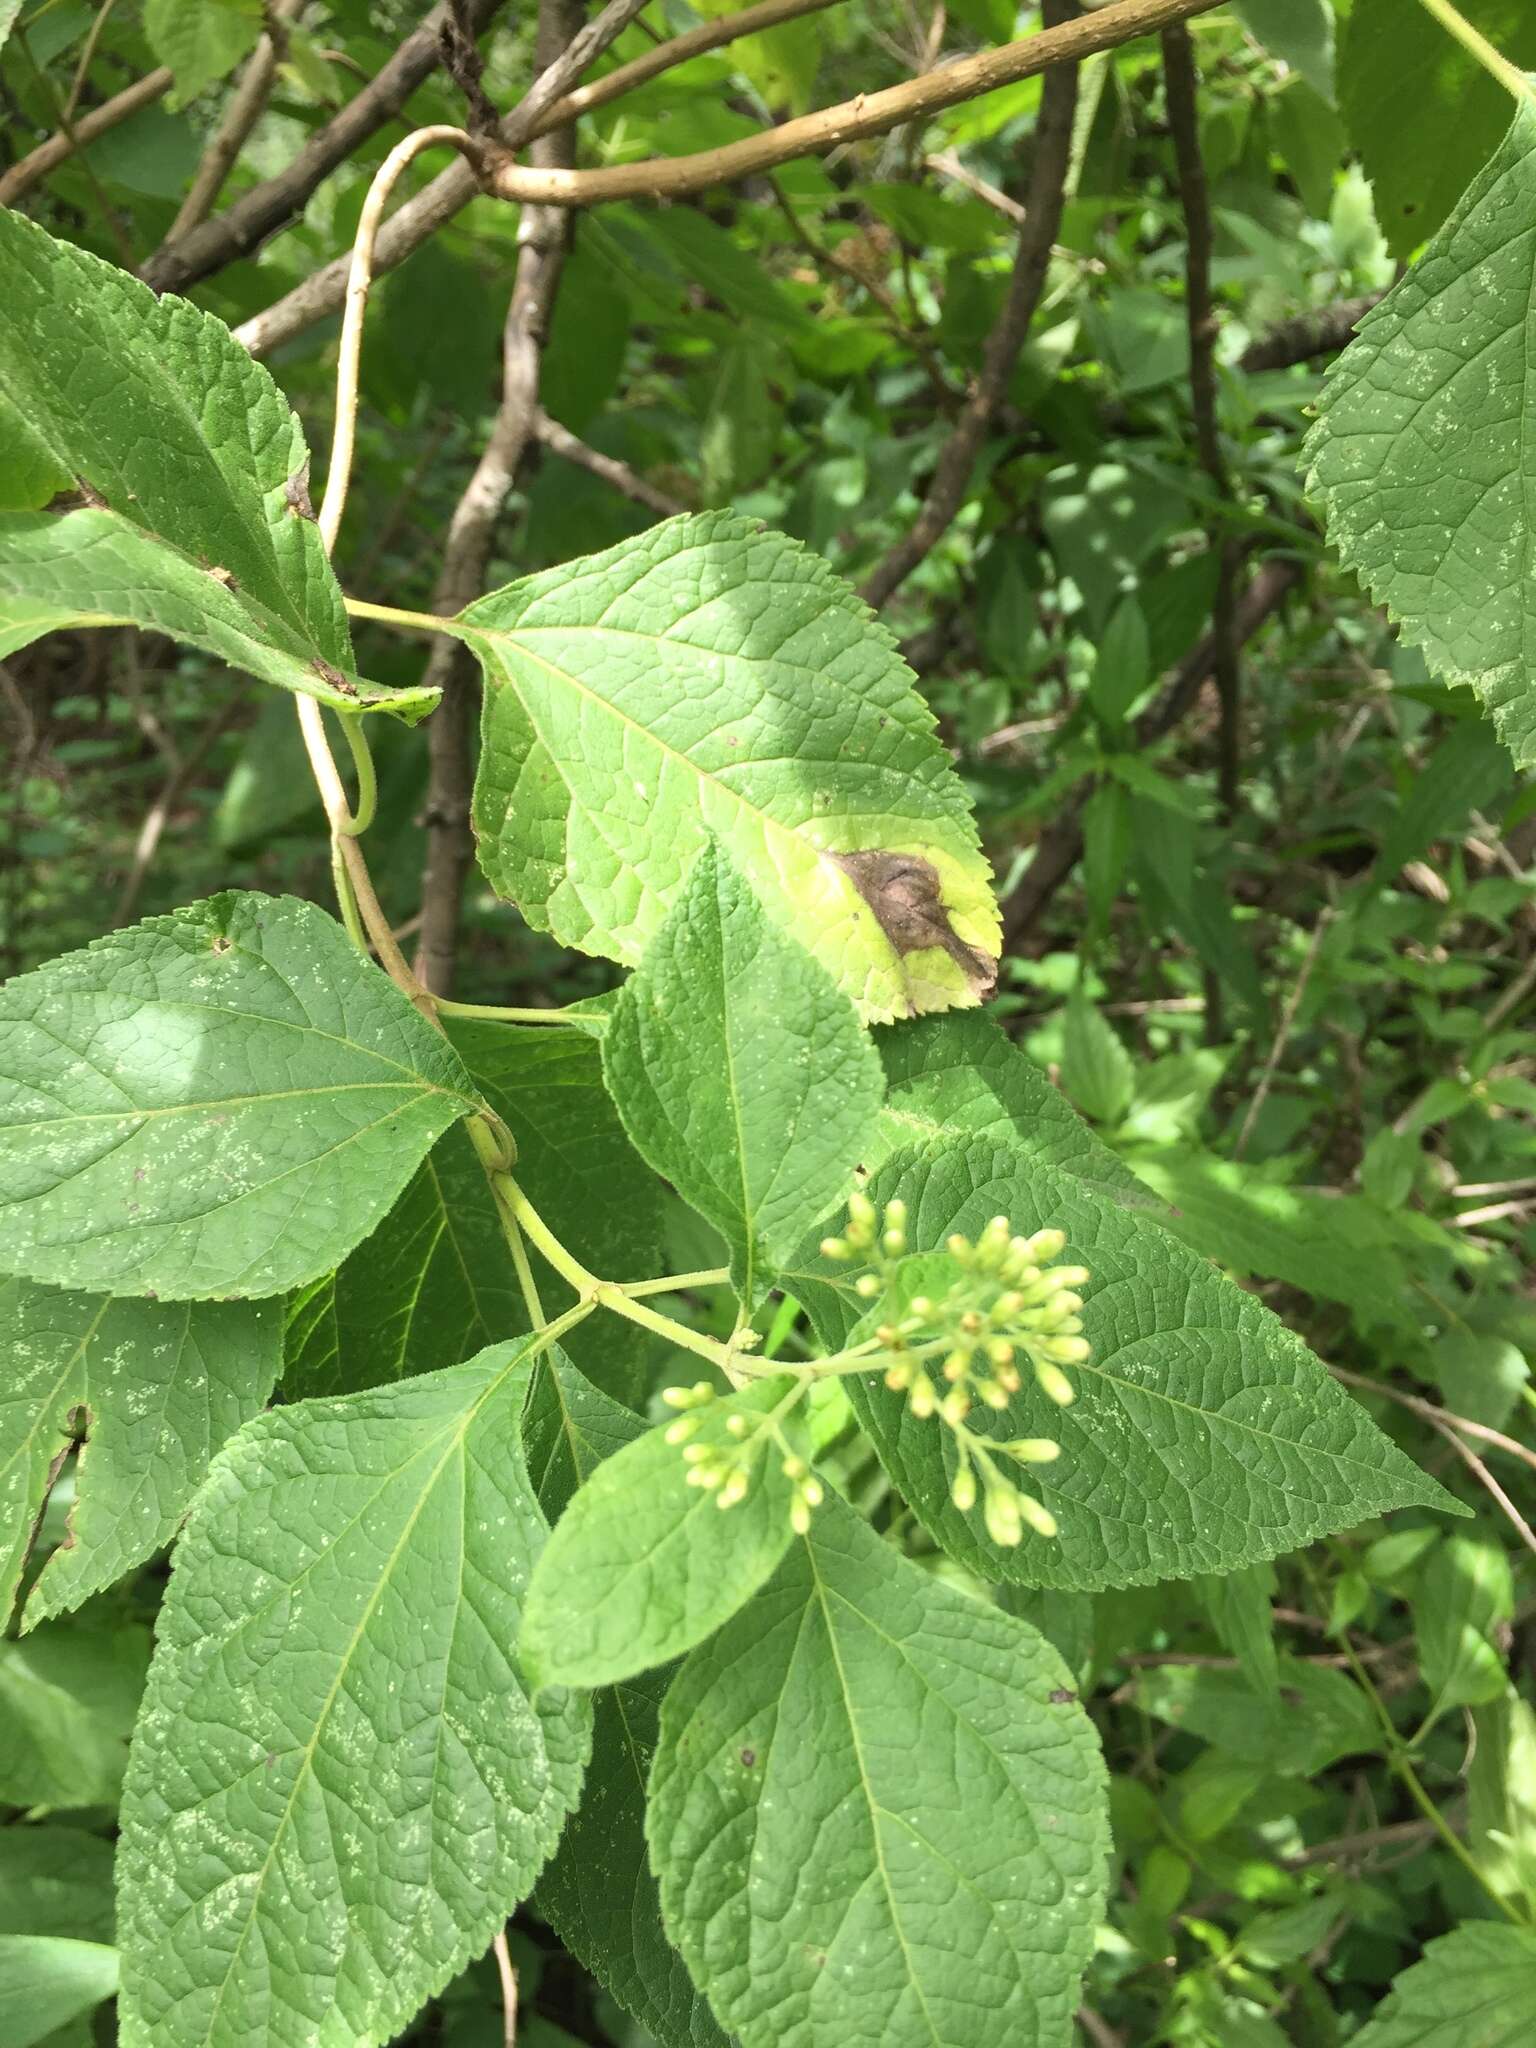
x=68, y=1696
x=877, y=1811
x=707, y=677
x=46, y=1981
x=1415, y=456
x=55, y=1880
x=218, y=1102
x=1466, y=1592
x=1475, y=1988
x=190, y=512
x=742, y=1072
x=642, y=1565
x=200, y=44
x=150, y=1390
x=1205, y=1436
x=340, y=1786
x=613, y=1928
x=1392, y=57
x=1300, y=32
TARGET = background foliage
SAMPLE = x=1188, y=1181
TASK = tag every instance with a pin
x=1280, y=955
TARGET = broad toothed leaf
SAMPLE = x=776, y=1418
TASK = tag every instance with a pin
x=742, y=1072
x=218, y=1102
x=190, y=508
x=877, y=1810
x=339, y=1786
x=150, y=1389
x=708, y=677
x=1419, y=456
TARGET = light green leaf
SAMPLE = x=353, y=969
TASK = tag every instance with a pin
x=1415, y=457
x=150, y=1389
x=1096, y=1070
x=193, y=511
x=1501, y=1795
x=614, y=1928
x=1394, y=57
x=432, y=1285
x=1205, y=1436
x=340, y=1787
x=55, y=1880
x=68, y=1696
x=1475, y=1988
x=642, y=1565
x=1299, y=32
x=1122, y=667
x=877, y=1811
x=45, y=1982
x=200, y=43
x=1317, y=1717
x=1238, y=1605
x=710, y=677
x=9, y=9
x=218, y=1102
x=742, y=1072
x=1465, y=1593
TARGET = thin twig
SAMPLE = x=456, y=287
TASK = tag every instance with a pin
x=1283, y=1034
x=339, y=474
x=151, y=831
x=246, y=105
x=1052, y=146
x=1306, y=335
x=258, y=214
x=948, y=165
x=47, y=156
x=542, y=236
x=869, y=114
x=87, y=56
x=1490, y=1485
x=561, y=441
x=1429, y=1412
x=508, y=1977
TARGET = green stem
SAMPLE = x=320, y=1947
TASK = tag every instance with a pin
x=1493, y=61
x=346, y=902
x=1398, y=1761
x=366, y=807
x=678, y=1283
x=499, y=1014
x=392, y=615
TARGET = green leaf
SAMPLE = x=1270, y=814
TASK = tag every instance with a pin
x=877, y=1811
x=1238, y=1605
x=1475, y=1988
x=742, y=1072
x=1299, y=32
x=193, y=511
x=1096, y=1070
x=340, y=1787
x=1394, y=57
x=55, y=1880
x=1466, y=772
x=68, y=1696
x=222, y=1101
x=1465, y=1593
x=150, y=1390
x=1122, y=667
x=1205, y=1435
x=45, y=1982
x=200, y=44
x=642, y=1565
x=710, y=677
x=1415, y=457
x=432, y=1285
x=1501, y=1795
x=1316, y=1717
x=614, y=1928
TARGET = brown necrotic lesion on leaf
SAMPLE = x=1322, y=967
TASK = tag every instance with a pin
x=904, y=892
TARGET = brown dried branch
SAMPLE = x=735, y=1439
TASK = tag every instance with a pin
x=247, y=103
x=47, y=156
x=869, y=114
x=259, y=213
x=542, y=237
x=561, y=441
x=1052, y=155
x=1306, y=335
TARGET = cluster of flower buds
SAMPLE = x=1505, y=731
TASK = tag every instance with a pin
x=726, y=1470
x=1009, y=1310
